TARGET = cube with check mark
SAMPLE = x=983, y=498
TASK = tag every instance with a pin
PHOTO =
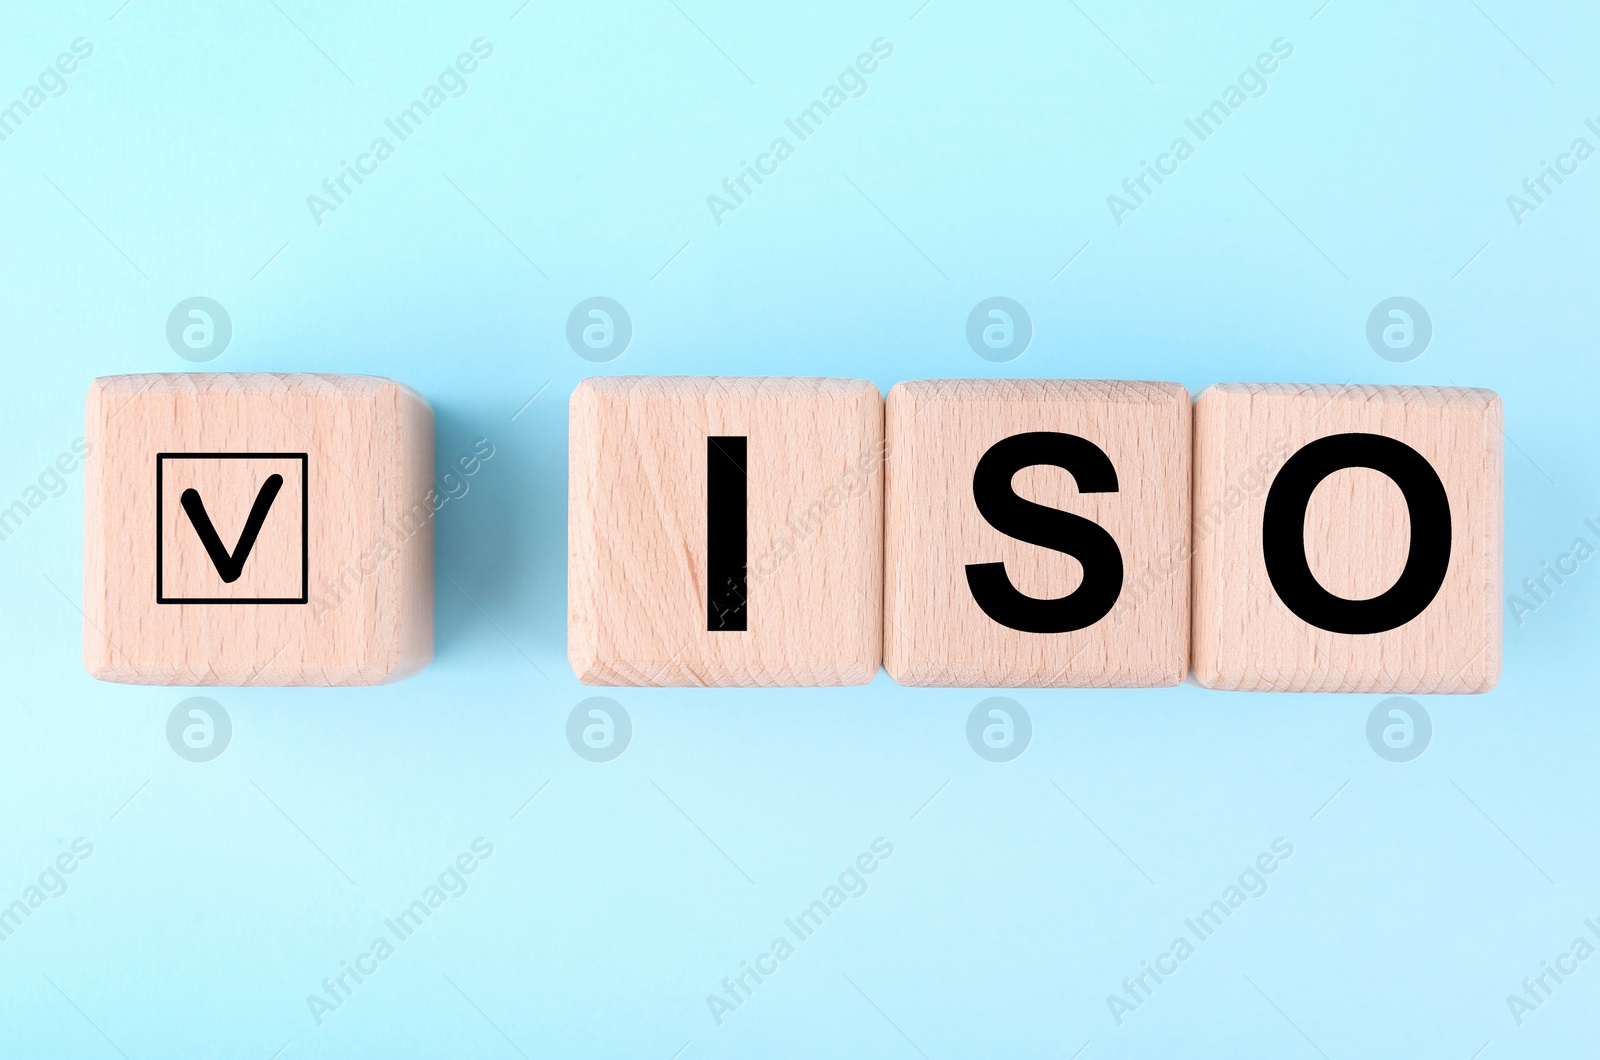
x=266, y=529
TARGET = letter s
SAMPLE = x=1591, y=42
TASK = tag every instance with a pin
x=1073, y=535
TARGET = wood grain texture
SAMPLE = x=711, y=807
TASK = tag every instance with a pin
x=368, y=530
x=637, y=592
x=934, y=631
x=1357, y=537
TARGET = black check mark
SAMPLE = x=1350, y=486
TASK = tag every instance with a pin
x=231, y=566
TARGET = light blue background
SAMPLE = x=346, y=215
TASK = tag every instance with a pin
x=978, y=162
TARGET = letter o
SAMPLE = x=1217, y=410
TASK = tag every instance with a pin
x=1283, y=540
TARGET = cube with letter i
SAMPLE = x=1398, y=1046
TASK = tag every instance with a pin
x=725, y=531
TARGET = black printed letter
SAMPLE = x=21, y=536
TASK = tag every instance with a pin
x=1051, y=528
x=727, y=516
x=1283, y=533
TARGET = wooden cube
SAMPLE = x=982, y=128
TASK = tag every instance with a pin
x=1037, y=533
x=725, y=531
x=258, y=529
x=1347, y=538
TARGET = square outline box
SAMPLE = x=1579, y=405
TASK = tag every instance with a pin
x=305, y=525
